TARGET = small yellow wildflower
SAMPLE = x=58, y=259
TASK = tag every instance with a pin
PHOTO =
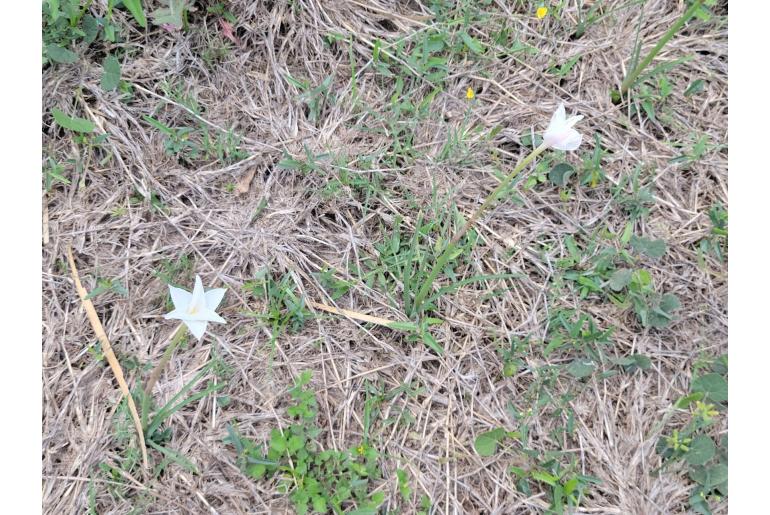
x=361, y=450
x=541, y=12
x=469, y=94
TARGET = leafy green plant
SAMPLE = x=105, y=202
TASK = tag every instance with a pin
x=174, y=15
x=68, y=24
x=314, y=97
x=155, y=425
x=653, y=309
x=316, y=480
x=137, y=11
x=638, y=201
x=593, y=172
x=487, y=442
x=284, y=307
x=693, y=445
x=73, y=123
x=54, y=173
x=696, y=8
x=111, y=73
x=191, y=143
x=104, y=285
x=716, y=243
x=567, y=488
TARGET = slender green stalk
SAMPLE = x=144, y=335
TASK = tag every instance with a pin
x=442, y=260
x=631, y=78
x=181, y=332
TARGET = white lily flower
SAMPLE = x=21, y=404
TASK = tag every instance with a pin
x=560, y=134
x=196, y=309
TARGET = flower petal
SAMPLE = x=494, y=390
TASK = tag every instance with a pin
x=571, y=141
x=573, y=120
x=198, y=300
x=197, y=327
x=180, y=298
x=177, y=314
x=558, y=119
x=214, y=297
x=209, y=315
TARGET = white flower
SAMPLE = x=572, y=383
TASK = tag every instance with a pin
x=196, y=309
x=560, y=134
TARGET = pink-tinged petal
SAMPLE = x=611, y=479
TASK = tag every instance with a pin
x=572, y=140
x=558, y=119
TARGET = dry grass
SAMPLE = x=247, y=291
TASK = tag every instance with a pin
x=302, y=231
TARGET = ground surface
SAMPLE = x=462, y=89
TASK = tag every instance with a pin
x=344, y=135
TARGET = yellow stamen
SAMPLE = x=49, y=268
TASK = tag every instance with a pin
x=541, y=12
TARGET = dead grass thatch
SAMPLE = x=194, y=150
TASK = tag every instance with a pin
x=301, y=231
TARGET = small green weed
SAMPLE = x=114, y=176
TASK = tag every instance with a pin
x=316, y=480
x=716, y=243
x=54, y=173
x=638, y=201
x=692, y=444
x=155, y=426
x=285, y=308
x=192, y=144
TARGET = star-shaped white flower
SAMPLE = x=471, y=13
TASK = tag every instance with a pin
x=560, y=134
x=196, y=309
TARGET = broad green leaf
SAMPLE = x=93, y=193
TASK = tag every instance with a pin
x=289, y=163
x=627, y=232
x=53, y=9
x=172, y=15
x=631, y=363
x=642, y=361
x=702, y=449
x=581, y=368
x=486, y=443
x=545, y=477
x=651, y=248
x=72, y=123
x=662, y=313
x=277, y=441
x=685, y=401
x=623, y=361
x=712, y=385
x=620, y=279
x=403, y=326
x=695, y=87
x=669, y=303
x=429, y=340
x=709, y=476
x=136, y=9
x=526, y=140
x=319, y=504
x=90, y=28
x=560, y=173
x=111, y=73
x=61, y=55
x=472, y=43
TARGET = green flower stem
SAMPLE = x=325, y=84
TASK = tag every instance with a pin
x=631, y=78
x=181, y=332
x=442, y=260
